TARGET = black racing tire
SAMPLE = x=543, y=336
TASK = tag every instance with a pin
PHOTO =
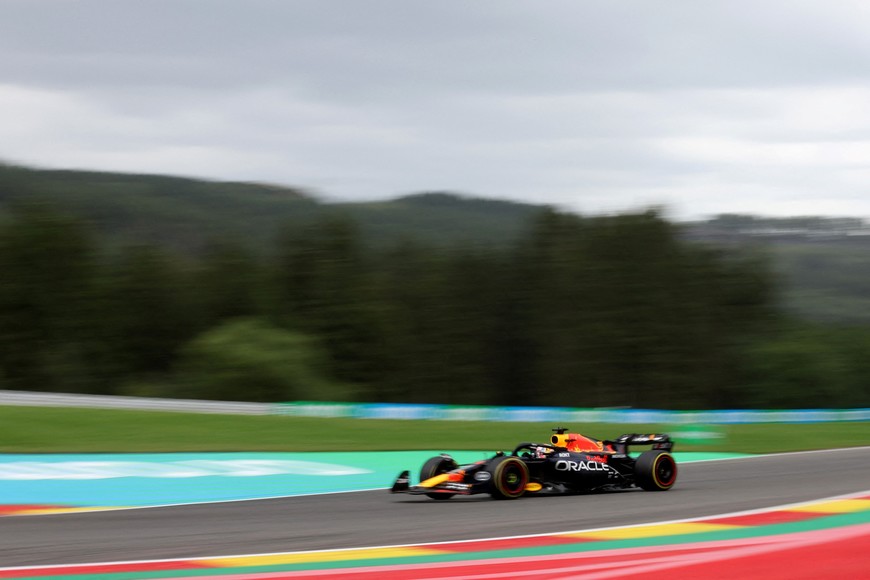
x=437, y=466
x=510, y=475
x=655, y=470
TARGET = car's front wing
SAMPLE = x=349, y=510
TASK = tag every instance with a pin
x=448, y=483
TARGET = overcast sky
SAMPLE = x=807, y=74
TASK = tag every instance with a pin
x=702, y=107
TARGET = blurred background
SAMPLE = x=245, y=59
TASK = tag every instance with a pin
x=170, y=287
x=587, y=205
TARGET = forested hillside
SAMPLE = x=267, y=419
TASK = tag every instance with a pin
x=172, y=287
x=823, y=264
x=185, y=215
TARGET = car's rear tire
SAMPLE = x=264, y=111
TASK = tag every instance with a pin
x=437, y=466
x=510, y=475
x=655, y=470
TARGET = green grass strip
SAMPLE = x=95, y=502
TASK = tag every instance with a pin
x=60, y=430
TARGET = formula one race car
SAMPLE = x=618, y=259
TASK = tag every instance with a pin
x=570, y=463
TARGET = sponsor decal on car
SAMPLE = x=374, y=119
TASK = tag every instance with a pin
x=564, y=465
x=452, y=486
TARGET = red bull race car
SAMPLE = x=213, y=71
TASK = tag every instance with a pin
x=569, y=463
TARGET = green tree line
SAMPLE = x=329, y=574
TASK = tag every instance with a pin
x=579, y=311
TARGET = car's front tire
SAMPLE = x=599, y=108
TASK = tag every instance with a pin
x=437, y=466
x=655, y=470
x=510, y=475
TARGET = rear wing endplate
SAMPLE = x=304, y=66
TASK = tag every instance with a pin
x=656, y=440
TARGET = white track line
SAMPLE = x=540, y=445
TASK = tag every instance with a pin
x=395, y=546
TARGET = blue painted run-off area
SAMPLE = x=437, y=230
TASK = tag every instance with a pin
x=116, y=480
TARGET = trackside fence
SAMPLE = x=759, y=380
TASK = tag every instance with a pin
x=566, y=415
x=437, y=412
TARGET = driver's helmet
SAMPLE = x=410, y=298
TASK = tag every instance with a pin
x=542, y=452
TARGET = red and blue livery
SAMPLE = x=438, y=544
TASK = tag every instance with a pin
x=569, y=463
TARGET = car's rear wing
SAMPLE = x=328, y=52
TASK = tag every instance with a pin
x=657, y=440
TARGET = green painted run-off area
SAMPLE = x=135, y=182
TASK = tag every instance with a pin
x=109, y=480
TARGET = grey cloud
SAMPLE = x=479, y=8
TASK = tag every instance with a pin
x=590, y=105
x=373, y=48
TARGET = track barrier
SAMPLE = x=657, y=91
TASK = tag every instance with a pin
x=415, y=412
x=565, y=414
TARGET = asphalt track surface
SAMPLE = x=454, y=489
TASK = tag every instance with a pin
x=378, y=518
